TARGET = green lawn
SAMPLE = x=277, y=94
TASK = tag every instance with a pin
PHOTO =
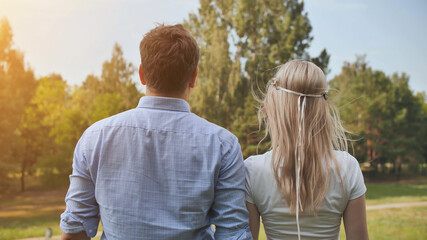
x=395, y=193
x=398, y=223
x=29, y=214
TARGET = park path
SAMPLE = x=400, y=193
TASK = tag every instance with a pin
x=396, y=205
x=374, y=207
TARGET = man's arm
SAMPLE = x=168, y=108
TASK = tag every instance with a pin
x=75, y=236
x=81, y=217
x=229, y=213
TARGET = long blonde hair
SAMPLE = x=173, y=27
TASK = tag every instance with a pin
x=304, y=133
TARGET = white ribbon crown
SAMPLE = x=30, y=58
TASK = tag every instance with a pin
x=324, y=94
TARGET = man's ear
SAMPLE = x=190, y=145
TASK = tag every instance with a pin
x=192, y=82
x=141, y=75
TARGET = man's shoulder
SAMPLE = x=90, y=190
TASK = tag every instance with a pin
x=118, y=119
x=210, y=128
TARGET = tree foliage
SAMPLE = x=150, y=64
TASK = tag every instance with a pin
x=41, y=120
x=17, y=84
x=241, y=43
x=385, y=116
x=97, y=98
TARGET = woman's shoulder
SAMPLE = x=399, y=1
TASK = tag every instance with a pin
x=259, y=178
x=347, y=164
x=345, y=159
x=257, y=161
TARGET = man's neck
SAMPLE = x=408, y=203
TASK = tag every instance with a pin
x=183, y=95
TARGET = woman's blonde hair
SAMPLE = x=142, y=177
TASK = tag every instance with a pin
x=304, y=132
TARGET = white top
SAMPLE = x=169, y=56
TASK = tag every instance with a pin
x=279, y=223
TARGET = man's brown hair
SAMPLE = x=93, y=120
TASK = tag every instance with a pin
x=169, y=57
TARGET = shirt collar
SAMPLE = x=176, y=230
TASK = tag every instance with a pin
x=164, y=103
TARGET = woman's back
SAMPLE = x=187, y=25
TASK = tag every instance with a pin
x=307, y=187
x=279, y=222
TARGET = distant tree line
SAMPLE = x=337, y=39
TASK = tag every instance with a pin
x=241, y=43
x=42, y=119
x=387, y=120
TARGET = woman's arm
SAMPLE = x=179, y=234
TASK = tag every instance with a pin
x=253, y=219
x=355, y=219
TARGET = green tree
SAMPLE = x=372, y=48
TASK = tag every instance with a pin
x=116, y=77
x=362, y=95
x=111, y=93
x=40, y=127
x=209, y=98
x=270, y=33
x=41, y=121
x=97, y=98
x=17, y=86
x=423, y=131
x=383, y=114
x=241, y=42
x=407, y=124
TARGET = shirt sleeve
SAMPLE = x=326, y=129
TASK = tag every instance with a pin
x=228, y=212
x=248, y=193
x=82, y=212
x=356, y=181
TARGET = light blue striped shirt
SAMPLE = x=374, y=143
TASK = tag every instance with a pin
x=157, y=172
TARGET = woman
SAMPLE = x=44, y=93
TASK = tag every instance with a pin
x=308, y=181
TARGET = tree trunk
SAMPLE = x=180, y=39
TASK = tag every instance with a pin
x=23, y=177
x=398, y=168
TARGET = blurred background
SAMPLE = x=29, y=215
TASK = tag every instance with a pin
x=67, y=64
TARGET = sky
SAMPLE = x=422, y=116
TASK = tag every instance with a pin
x=73, y=38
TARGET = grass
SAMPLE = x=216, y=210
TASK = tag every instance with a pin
x=31, y=213
x=395, y=193
x=397, y=223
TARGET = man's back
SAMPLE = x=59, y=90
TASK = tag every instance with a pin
x=159, y=172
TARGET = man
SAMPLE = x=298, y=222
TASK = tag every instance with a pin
x=158, y=171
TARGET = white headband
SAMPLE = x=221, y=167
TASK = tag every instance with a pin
x=324, y=94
